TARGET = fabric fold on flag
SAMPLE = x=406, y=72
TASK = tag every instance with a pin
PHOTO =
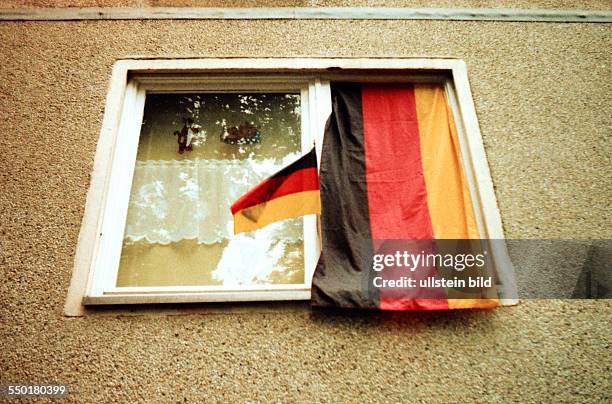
x=390, y=170
x=291, y=192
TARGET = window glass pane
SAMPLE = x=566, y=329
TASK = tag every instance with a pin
x=197, y=154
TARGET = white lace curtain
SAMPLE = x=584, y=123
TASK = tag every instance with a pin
x=190, y=199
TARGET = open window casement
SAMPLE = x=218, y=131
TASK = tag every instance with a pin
x=182, y=139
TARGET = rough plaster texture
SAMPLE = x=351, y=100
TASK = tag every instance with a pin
x=559, y=4
x=542, y=94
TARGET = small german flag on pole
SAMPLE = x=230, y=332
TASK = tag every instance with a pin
x=291, y=192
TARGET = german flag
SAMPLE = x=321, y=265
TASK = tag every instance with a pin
x=291, y=192
x=390, y=170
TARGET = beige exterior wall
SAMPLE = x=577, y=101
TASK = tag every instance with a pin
x=565, y=4
x=542, y=95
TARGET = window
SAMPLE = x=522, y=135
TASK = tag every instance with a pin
x=178, y=229
x=182, y=139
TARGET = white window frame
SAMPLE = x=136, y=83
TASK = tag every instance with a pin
x=101, y=233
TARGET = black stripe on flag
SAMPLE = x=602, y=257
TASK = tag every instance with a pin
x=342, y=274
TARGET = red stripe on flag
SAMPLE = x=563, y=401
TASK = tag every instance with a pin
x=397, y=197
x=306, y=179
x=395, y=183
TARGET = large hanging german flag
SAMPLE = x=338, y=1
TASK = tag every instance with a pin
x=390, y=169
x=291, y=192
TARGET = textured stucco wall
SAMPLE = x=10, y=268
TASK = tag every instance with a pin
x=542, y=94
x=566, y=4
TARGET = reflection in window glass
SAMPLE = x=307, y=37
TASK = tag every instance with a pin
x=197, y=154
